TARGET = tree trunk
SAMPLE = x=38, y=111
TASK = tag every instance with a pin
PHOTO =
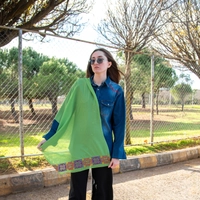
x=131, y=101
x=128, y=108
x=143, y=100
x=127, y=92
x=157, y=94
x=13, y=111
x=30, y=103
x=182, y=105
x=54, y=107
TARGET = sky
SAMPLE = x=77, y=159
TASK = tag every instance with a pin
x=79, y=52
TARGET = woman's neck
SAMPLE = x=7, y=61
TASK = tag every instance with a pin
x=98, y=80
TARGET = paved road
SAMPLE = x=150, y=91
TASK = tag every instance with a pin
x=180, y=181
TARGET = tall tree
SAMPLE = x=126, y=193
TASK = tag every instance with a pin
x=60, y=17
x=32, y=61
x=9, y=74
x=181, y=37
x=164, y=75
x=181, y=92
x=54, y=79
x=9, y=78
x=130, y=26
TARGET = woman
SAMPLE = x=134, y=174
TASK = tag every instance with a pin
x=103, y=76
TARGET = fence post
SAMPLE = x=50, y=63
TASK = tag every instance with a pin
x=152, y=101
x=20, y=94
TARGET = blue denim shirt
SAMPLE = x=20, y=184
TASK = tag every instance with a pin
x=112, y=110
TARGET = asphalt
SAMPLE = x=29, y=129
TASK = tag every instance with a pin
x=169, y=175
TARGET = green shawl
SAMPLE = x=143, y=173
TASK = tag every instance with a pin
x=78, y=143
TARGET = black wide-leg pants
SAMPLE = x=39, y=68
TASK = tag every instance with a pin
x=102, y=180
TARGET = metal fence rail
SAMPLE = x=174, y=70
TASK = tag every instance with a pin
x=35, y=77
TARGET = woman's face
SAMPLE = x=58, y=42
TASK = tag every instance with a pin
x=99, y=63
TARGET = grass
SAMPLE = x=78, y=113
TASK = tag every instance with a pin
x=169, y=124
x=162, y=147
x=15, y=165
x=11, y=145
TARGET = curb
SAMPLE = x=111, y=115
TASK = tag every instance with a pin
x=158, y=159
x=25, y=181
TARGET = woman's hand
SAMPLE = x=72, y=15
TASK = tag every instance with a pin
x=114, y=163
x=40, y=144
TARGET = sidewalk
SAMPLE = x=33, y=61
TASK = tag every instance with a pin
x=33, y=181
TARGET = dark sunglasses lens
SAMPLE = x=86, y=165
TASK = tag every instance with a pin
x=92, y=62
x=99, y=61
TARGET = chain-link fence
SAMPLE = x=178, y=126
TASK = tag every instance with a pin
x=36, y=75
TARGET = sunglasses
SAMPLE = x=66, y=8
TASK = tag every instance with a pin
x=99, y=61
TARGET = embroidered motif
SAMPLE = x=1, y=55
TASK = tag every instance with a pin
x=62, y=167
x=87, y=162
x=78, y=164
x=70, y=165
x=96, y=160
x=105, y=159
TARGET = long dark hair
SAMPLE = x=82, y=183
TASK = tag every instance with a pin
x=113, y=72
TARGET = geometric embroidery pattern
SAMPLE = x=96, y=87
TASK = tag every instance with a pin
x=78, y=164
x=86, y=162
x=96, y=160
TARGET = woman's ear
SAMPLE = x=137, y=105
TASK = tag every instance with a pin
x=109, y=64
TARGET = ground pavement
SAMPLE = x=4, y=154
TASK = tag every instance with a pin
x=177, y=181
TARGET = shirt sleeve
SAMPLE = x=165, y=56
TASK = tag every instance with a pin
x=52, y=131
x=119, y=120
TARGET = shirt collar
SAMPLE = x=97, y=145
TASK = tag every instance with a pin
x=106, y=82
